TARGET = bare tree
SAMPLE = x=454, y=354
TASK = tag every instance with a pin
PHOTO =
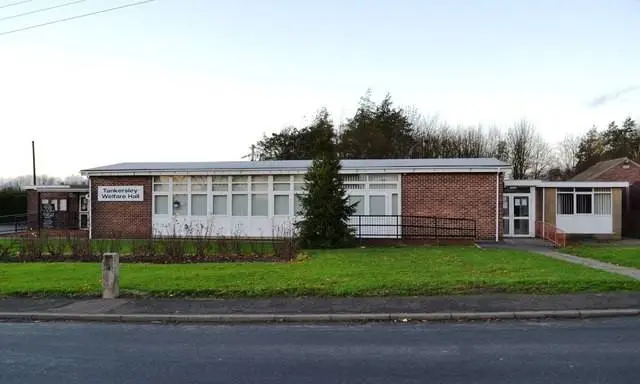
x=542, y=158
x=567, y=153
x=519, y=141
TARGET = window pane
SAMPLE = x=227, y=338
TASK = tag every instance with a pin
x=161, y=187
x=582, y=189
x=377, y=205
x=240, y=187
x=161, y=179
x=354, y=186
x=220, y=205
x=521, y=226
x=395, y=204
x=259, y=179
x=240, y=205
x=298, y=178
x=584, y=204
x=505, y=206
x=565, y=204
x=281, y=186
x=602, y=190
x=180, y=205
x=521, y=207
x=180, y=179
x=221, y=179
x=347, y=178
x=198, y=205
x=505, y=224
x=179, y=187
x=281, y=178
x=383, y=177
x=161, y=205
x=259, y=187
x=297, y=205
x=198, y=180
x=602, y=204
x=220, y=187
x=63, y=205
x=281, y=204
x=299, y=186
x=359, y=204
x=260, y=204
x=198, y=187
x=240, y=179
x=382, y=186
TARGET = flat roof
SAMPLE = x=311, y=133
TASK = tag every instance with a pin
x=58, y=188
x=278, y=166
x=566, y=184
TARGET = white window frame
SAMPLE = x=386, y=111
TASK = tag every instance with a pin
x=592, y=193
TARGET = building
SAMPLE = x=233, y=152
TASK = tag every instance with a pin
x=577, y=208
x=394, y=198
x=58, y=207
x=620, y=169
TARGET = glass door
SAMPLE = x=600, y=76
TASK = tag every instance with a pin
x=516, y=215
x=84, y=212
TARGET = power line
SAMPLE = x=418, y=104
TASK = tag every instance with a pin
x=16, y=3
x=75, y=17
x=42, y=10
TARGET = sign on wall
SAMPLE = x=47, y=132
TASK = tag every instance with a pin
x=121, y=193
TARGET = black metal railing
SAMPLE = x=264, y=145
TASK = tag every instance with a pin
x=13, y=223
x=412, y=227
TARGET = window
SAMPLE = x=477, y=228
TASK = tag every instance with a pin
x=382, y=186
x=161, y=183
x=584, y=203
x=281, y=205
x=395, y=204
x=180, y=184
x=63, y=205
x=281, y=183
x=505, y=206
x=565, y=203
x=383, y=177
x=239, y=183
x=198, y=205
x=240, y=205
x=602, y=204
x=198, y=184
x=54, y=204
x=180, y=204
x=521, y=207
x=220, y=184
x=219, y=205
x=358, y=203
x=297, y=205
x=377, y=205
x=259, y=204
x=161, y=203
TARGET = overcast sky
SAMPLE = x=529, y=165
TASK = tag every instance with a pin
x=197, y=80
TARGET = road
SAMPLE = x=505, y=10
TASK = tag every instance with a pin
x=602, y=351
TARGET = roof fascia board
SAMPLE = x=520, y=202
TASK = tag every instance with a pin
x=289, y=171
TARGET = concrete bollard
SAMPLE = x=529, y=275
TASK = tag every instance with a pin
x=110, y=275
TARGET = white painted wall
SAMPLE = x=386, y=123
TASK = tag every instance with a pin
x=585, y=224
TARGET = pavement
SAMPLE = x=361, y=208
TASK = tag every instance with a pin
x=524, y=352
x=319, y=309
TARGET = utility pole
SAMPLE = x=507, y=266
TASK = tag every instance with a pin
x=33, y=155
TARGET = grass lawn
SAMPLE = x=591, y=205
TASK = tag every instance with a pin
x=620, y=255
x=351, y=272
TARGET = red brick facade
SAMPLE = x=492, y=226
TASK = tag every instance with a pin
x=630, y=198
x=63, y=219
x=129, y=219
x=455, y=195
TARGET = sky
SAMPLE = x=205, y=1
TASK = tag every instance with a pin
x=201, y=80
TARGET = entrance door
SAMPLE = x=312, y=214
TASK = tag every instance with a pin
x=84, y=212
x=517, y=215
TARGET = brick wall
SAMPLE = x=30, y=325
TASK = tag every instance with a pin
x=63, y=219
x=630, y=198
x=129, y=219
x=455, y=195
